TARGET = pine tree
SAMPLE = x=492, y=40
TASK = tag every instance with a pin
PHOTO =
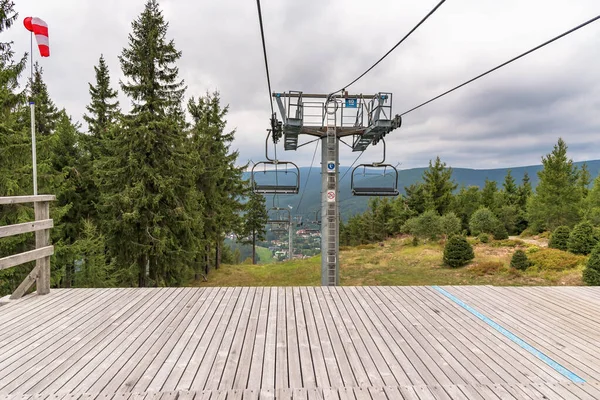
x=582, y=239
x=103, y=109
x=584, y=180
x=46, y=113
x=458, y=252
x=219, y=180
x=591, y=273
x=439, y=185
x=489, y=195
x=510, y=190
x=592, y=203
x=466, y=202
x=557, y=199
x=255, y=220
x=525, y=191
x=146, y=181
x=416, y=198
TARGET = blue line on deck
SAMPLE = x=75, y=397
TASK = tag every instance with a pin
x=559, y=368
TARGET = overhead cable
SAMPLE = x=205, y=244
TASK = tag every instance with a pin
x=505, y=63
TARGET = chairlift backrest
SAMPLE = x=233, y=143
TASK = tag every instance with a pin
x=276, y=177
x=367, y=189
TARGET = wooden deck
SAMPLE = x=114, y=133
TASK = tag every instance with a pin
x=476, y=342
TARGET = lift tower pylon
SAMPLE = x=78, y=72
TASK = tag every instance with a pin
x=367, y=118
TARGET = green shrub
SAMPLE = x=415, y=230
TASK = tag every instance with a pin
x=483, y=238
x=582, y=239
x=508, y=243
x=483, y=221
x=458, y=252
x=591, y=273
x=560, y=238
x=450, y=224
x=555, y=260
x=500, y=232
x=486, y=268
x=520, y=261
x=426, y=226
x=415, y=241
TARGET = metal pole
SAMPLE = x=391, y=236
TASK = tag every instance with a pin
x=291, y=247
x=32, y=109
x=330, y=263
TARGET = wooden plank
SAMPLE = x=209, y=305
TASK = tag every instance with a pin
x=72, y=358
x=26, y=227
x=321, y=374
x=268, y=372
x=343, y=339
x=184, y=372
x=293, y=353
x=300, y=394
x=181, y=350
x=229, y=360
x=42, y=240
x=315, y=394
x=255, y=364
x=375, y=365
x=418, y=351
x=453, y=351
x=471, y=341
x=361, y=393
x=392, y=355
x=545, y=337
x=26, y=199
x=252, y=394
x=240, y=374
x=28, y=256
x=211, y=370
x=330, y=394
x=307, y=359
x=33, y=368
x=16, y=350
x=120, y=365
x=281, y=365
x=16, y=312
x=377, y=393
x=26, y=284
x=516, y=361
x=331, y=342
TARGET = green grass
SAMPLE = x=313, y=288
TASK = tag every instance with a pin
x=264, y=256
x=397, y=262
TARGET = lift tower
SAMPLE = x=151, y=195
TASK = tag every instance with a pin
x=367, y=118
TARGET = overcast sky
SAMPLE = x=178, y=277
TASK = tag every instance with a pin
x=509, y=118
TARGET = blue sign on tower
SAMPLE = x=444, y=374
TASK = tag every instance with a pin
x=351, y=103
x=331, y=167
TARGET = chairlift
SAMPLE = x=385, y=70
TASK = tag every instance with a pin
x=278, y=219
x=365, y=189
x=274, y=176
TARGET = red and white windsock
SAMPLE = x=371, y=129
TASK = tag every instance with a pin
x=40, y=30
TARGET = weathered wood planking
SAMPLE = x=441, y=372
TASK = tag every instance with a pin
x=297, y=343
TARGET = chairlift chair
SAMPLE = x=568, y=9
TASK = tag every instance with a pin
x=275, y=177
x=279, y=219
x=365, y=189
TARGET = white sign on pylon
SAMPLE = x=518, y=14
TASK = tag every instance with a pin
x=330, y=196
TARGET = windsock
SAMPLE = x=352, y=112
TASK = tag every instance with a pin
x=40, y=30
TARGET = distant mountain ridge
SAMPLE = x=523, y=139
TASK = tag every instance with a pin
x=350, y=205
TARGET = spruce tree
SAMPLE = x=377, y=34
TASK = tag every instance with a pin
x=439, y=185
x=458, y=252
x=582, y=239
x=46, y=113
x=560, y=238
x=557, y=198
x=584, y=180
x=466, y=202
x=255, y=220
x=489, y=195
x=219, y=180
x=146, y=181
x=510, y=191
x=591, y=273
x=103, y=109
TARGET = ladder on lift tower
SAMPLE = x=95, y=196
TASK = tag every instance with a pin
x=330, y=115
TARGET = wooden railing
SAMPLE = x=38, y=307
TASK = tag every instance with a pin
x=43, y=249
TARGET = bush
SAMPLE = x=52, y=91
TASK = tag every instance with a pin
x=591, y=273
x=560, y=238
x=426, y=226
x=520, y=261
x=555, y=260
x=500, y=232
x=486, y=268
x=450, y=224
x=415, y=241
x=458, y=252
x=483, y=238
x=483, y=221
x=582, y=239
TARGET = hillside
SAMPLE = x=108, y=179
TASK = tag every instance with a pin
x=350, y=205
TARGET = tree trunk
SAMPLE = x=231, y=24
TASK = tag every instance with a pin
x=253, y=247
x=217, y=254
x=206, y=259
x=141, y=261
x=153, y=273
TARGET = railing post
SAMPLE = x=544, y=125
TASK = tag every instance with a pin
x=42, y=239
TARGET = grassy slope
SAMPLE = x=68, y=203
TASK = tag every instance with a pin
x=264, y=255
x=399, y=263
